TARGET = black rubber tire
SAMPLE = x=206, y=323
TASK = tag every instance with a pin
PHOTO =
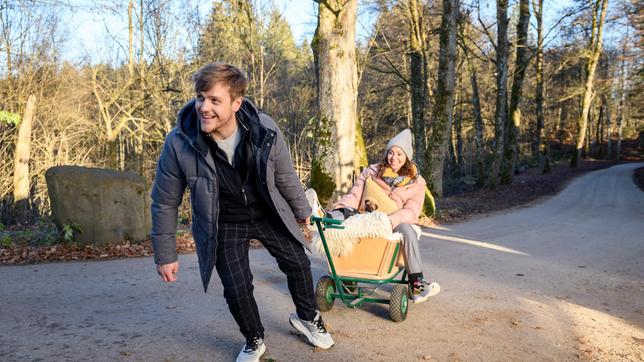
x=322, y=299
x=399, y=303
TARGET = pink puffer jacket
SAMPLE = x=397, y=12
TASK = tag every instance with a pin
x=409, y=198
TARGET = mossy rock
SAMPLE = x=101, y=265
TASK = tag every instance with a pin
x=108, y=206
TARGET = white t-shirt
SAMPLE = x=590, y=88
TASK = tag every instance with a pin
x=229, y=145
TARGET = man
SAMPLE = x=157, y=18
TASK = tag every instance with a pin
x=242, y=186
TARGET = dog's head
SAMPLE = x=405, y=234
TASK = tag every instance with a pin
x=370, y=205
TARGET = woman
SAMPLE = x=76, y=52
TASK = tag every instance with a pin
x=398, y=176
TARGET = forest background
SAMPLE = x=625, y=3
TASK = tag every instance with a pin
x=488, y=88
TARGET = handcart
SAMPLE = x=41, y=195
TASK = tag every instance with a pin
x=354, y=278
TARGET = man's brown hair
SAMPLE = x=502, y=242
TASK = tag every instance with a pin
x=232, y=77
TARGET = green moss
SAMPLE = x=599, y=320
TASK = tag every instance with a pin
x=322, y=146
x=321, y=182
x=9, y=118
x=360, y=148
x=429, y=206
x=6, y=241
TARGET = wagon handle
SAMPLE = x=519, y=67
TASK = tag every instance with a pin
x=325, y=221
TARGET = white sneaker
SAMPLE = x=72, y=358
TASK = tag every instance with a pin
x=423, y=291
x=312, y=198
x=314, y=330
x=253, y=349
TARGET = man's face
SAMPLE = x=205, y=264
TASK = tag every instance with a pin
x=216, y=109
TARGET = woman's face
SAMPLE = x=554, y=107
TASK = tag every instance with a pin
x=396, y=158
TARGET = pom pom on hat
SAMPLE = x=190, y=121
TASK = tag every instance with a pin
x=403, y=141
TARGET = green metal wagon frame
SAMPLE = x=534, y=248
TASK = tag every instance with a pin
x=347, y=289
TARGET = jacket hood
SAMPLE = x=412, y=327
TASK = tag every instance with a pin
x=247, y=115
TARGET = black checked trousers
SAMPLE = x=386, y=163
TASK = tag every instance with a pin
x=234, y=270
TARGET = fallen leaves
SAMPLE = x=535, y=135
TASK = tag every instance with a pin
x=29, y=254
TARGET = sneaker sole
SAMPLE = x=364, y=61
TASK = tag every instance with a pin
x=432, y=293
x=420, y=299
x=262, y=350
x=302, y=329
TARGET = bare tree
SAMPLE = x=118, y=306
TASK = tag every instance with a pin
x=334, y=49
x=513, y=123
x=500, y=113
x=622, y=101
x=21, y=170
x=444, y=103
x=478, y=122
x=417, y=76
x=539, y=141
x=592, y=51
x=479, y=148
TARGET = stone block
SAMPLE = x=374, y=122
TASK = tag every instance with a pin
x=109, y=206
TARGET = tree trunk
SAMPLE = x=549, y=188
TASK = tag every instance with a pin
x=444, y=102
x=510, y=152
x=458, y=129
x=599, y=132
x=540, y=145
x=141, y=46
x=593, y=49
x=418, y=80
x=112, y=153
x=458, y=123
x=450, y=160
x=618, y=147
x=620, y=110
x=478, y=125
x=334, y=45
x=21, y=165
x=538, y=97
x=500, y=113
x=591, y=117
x=609, y=131
x=561, y=124
x=130, y=30
x=360, y=161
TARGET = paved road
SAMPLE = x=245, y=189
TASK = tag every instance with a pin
x=560, y=280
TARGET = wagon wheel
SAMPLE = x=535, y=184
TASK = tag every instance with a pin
x=324, y=294
x=398, y=303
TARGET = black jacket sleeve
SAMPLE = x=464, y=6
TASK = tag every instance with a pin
x=167, y=193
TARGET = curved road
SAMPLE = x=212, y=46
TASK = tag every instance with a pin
x=559, y=280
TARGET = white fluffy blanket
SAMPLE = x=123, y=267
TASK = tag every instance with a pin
x=341, y=241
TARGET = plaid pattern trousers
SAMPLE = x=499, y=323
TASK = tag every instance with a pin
x=234, y=271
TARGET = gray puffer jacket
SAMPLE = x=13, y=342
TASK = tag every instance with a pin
x=186, y=161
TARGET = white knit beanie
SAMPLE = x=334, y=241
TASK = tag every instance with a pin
x=403, y=141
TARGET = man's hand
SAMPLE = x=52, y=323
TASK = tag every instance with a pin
x=168, y=271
